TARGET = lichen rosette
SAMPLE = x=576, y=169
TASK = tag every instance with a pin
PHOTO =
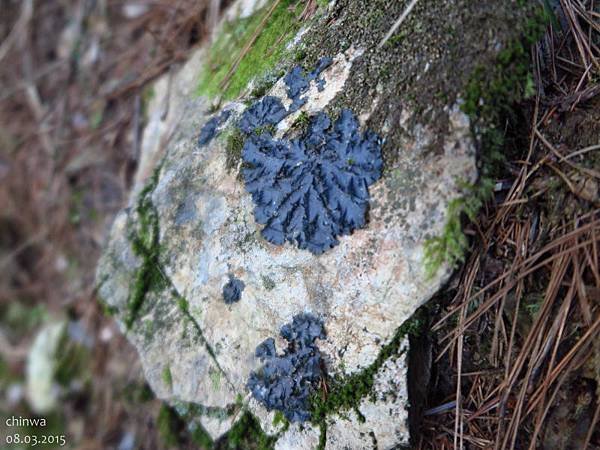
x=311, y=190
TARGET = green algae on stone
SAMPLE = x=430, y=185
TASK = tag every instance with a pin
x=279, y=419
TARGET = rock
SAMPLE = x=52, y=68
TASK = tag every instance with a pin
x=190, y=229
x=298, y=437
x=42, y=391
x=384, y=423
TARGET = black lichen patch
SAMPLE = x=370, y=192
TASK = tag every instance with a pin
x=286, y=383
x=311, y=190
x=210, y=128
x=297, y=82
x=267, y=111
x=232, y=291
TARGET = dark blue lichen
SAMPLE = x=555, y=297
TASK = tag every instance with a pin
x=297, y=82
x=232, y=291
x=285, y=383
x=322, y=64
x=267, y=111
x=311, y=190
x=210, y=128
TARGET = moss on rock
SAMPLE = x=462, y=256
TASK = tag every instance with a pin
x=246, y=434
x=222, y=77
x=234, y=142
x=346, y=392
x=490, y=96
x=144, y=238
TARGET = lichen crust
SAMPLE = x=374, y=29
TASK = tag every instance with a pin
x=311, y=190
x=286, y=382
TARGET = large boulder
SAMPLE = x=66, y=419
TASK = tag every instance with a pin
x=197, y=287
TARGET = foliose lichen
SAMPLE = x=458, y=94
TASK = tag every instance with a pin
x=311, y=190
x=267, y=111
x=297, y=82
x=210, y=128
x=232, y=291
x=286, y=382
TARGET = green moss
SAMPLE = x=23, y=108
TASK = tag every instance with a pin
x=268, y=283
x=346, y=392
x=169, y=426
x=279, y=419
x=322, y=435
x=299, y=55
x=144, y=238
x=183, y=304
x=266, y=51
x=265, y=129
x=301, y=123
x=452, y=245
x=234, y=142
x=239, y=400
x=201, y=438
x=72, y=361
x=246, y=434
x=167, y=377
x=215, y=379
x=490, y=97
